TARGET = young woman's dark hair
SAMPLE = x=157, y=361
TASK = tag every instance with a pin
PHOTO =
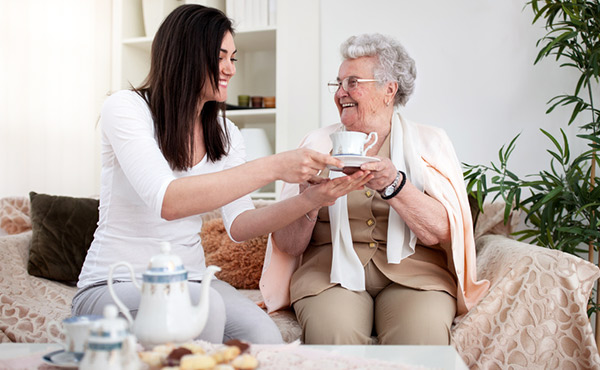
x=185, y=59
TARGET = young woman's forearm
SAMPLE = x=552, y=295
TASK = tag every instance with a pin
x=198, y=194
x=193, y=195
x=286, y=219
x=269, y=219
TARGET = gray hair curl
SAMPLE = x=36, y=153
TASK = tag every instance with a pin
x=394, y=62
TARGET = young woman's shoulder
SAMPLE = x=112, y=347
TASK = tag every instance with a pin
x=125, y=99
x=125, y=108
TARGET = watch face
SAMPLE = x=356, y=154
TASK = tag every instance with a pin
x=389, y=190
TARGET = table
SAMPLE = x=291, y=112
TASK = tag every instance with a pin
x=438, y=357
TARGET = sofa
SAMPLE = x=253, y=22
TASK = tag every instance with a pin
x=533, y=317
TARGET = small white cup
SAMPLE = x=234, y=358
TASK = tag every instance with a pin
x=352, y=142
x=75, y=330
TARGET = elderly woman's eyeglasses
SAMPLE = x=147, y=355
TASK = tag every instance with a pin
x=348, y=83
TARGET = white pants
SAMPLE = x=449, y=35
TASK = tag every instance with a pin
x=231, y=314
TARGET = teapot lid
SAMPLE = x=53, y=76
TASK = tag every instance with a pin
x=108, y=333
x=165, y=267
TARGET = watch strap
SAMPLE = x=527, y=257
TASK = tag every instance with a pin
x=398, y=187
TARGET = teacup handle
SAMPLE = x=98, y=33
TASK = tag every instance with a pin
x=369, y=137
x=118, y=302
x=51, y=336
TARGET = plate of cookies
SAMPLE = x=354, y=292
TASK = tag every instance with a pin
x=232, y=355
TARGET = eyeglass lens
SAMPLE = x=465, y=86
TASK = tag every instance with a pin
x=348, y=84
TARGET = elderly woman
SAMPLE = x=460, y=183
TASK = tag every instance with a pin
x=396, y=259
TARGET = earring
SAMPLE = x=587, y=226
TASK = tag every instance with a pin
x=387, y=103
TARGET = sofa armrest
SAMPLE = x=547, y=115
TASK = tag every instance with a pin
x=27, y=303
x=534, y=315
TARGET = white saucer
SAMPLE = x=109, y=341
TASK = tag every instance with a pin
x=352, y=161
x=62, y=359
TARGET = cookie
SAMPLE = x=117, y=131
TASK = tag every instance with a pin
x=197, y=362
x=226, y=354
x=151, y=358
x=174, y=358
x=245, y=362
x=195, y=348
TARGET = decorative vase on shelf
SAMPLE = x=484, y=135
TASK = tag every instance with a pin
x=257, y=146
x=155, y=11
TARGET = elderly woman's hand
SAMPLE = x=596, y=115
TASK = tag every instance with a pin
x=384, y=173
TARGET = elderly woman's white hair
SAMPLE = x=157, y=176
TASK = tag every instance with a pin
x=394, y=62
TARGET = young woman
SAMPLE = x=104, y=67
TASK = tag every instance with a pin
x=168, y=157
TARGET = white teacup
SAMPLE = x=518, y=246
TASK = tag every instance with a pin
x=75, y=330
x=352, y=142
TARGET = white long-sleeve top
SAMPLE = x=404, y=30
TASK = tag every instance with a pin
x=134, y=178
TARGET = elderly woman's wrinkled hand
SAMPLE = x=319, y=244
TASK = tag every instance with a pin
x=304, y=165
x=384, y=172
x=326, y=192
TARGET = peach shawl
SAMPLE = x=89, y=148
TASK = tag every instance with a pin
x=441, y=178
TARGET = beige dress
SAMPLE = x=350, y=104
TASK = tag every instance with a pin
x=427, y=269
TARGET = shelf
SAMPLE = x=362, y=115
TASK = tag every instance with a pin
x=256, y=39
x=143, y=43
x=256, y=69
x=260, y=112
x=251, y=40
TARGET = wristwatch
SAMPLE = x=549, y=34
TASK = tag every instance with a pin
x=393, y=189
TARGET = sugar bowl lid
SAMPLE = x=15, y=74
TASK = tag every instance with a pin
x=108, y=333
x=165, y=267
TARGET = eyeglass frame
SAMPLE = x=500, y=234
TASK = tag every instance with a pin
x=346, y=81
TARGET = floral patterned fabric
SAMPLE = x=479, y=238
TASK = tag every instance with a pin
x=14, y=215
x=27, y=303
x=533, y=317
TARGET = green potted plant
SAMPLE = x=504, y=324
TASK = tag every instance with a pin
x=562, y=203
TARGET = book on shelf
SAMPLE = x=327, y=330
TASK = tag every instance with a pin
x=251, y=14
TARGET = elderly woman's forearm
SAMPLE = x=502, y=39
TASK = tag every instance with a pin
x=424, y=215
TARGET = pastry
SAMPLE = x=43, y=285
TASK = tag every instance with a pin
x=226, y=354
x=223, y=367
x=243, y=346
x=174, y=358
x=245, y=362
x=195, y=348
x=152, y=359
x=197, y=362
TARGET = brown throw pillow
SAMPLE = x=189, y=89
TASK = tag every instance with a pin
x=62, y=231
x=241, y=263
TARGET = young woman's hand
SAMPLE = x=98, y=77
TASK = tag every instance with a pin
x=302, y=165
x=327, y=192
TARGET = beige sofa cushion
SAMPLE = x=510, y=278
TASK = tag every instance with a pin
x=534, y=316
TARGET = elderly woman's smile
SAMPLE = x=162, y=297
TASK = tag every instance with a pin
x=360, y=98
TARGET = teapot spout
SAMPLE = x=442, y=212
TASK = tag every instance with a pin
x=202, y=308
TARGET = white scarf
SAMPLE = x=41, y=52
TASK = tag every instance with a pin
x=346, y=268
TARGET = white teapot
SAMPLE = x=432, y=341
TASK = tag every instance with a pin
x=110, y=346
x=166, y=313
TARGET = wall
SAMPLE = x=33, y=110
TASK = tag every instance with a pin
x=475, y=72
x=476, y=79
x=54, y=74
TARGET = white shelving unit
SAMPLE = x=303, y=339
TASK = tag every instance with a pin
x=281, y=61
x=256, y=69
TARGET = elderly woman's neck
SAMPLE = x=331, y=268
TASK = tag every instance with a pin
x=382, y=124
